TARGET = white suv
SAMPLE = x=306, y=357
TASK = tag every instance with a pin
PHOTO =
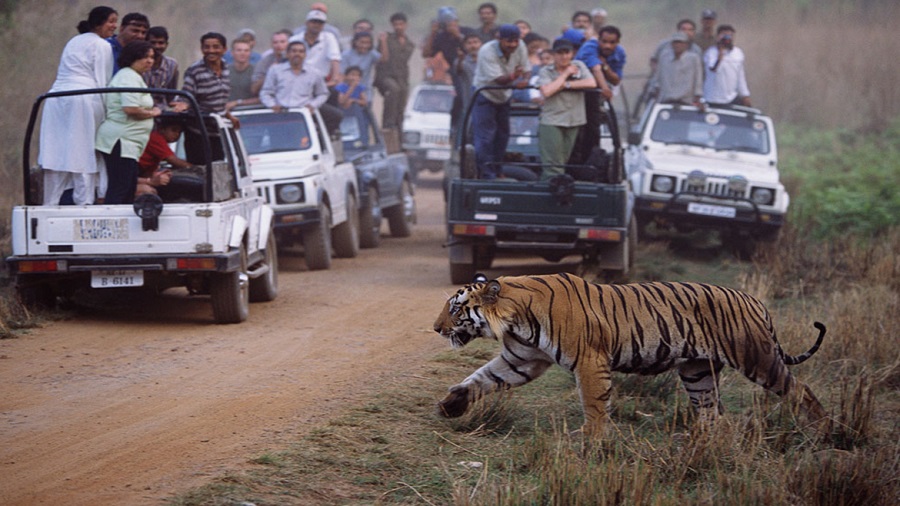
x=712, y=167
x=426, y=126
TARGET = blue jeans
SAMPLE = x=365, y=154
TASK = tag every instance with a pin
x=490, y=131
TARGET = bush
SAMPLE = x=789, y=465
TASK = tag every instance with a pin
x=842, y=183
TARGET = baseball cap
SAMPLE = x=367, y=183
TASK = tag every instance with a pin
x=680, y=37
x=508, y=31
x=447, y=14
x=315, y=15
x=573, y=35
x=708, y=14
x=563, y=45
x=319, y=6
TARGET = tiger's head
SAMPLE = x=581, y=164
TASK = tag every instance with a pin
x=462, y=318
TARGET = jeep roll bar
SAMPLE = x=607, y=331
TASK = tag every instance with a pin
x=194, y=112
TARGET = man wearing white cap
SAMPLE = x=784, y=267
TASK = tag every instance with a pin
x=330, y=28
x=323, y=53
x=598, y=20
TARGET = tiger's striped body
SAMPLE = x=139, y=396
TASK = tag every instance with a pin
x=592, y=330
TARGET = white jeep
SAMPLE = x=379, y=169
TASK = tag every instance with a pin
x=302, y=174
x=426, y=126
x=715, y=167
x=207, y=230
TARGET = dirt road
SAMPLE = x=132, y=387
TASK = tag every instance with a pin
x=132, y=404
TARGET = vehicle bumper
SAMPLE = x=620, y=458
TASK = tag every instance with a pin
x=296, y=218
x=678, y=211
x=49, y=265
x=535, y=238
x=432, y=159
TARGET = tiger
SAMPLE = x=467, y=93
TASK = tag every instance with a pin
x=593, y=330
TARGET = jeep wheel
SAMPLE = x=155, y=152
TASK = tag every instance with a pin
x=401, y=217
x=317, y=242
x=230, y=293
x=346, y=235
x=370, y=221
x=265, y=288
x=34, y=294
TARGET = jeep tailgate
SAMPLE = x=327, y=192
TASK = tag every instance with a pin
x=108, y=230
x=534, y=203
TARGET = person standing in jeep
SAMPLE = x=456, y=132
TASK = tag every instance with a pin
x=726, y=82
x=502, y=61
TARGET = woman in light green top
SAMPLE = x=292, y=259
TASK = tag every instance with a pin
x=123, y=136
x=562, y=113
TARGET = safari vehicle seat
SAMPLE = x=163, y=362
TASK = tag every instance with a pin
x=595, y=169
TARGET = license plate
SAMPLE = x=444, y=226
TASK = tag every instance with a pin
x=711, y=210
x=437, y=154
x=116, y=279
x=100, y=229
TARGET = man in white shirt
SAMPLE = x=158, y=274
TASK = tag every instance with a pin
x=330, y=28
x=323, y=53
x=725, y=81
x=503, y=61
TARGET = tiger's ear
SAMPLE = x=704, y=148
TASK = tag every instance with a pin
x=490, y=292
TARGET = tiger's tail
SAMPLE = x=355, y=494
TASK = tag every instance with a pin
x=799, y=359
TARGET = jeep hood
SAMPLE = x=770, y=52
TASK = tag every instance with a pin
x=426, y=121
x=721, y=164
x=294, y=164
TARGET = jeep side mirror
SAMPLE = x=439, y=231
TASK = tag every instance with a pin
x=634, y=138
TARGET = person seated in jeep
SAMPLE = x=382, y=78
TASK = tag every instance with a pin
x=150, y=176
x=289, y=85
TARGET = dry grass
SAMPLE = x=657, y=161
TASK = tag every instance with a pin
x=518, y=448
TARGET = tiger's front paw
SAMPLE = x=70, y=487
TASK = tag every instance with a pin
x=455, y=403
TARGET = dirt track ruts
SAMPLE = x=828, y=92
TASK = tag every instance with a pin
x=133, y=403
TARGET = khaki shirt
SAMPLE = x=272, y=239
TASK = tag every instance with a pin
x=564, y=108
x=493, y=65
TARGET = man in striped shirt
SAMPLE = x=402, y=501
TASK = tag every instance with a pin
x=208, y=79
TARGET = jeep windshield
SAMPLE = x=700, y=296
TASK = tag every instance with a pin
x=437, y=100
x=722, y=132
x=275, y=133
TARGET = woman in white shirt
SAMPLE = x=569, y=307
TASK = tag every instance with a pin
x=68, y=124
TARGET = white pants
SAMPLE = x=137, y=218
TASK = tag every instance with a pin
x=56, y=182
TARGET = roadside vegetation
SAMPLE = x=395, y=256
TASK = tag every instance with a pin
x=515, y=449
x=836, y=262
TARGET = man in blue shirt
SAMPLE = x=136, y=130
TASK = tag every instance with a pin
x=606, y=60
x=134, y=27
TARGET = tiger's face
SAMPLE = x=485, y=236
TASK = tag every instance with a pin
x=462, y=319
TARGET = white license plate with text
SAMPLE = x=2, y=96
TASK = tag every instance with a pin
x=711, y=210
x=116, y=279
x=437, y=154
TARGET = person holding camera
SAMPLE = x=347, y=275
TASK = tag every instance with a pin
x=726, y=83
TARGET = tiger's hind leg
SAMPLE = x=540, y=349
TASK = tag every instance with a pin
x=701, y=380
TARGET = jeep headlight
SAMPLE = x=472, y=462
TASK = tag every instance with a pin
x=290, y=193
x=662, y=184
x=412, y=138
x=762, y=196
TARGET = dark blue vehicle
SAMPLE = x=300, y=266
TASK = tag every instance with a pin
x=386, y=189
